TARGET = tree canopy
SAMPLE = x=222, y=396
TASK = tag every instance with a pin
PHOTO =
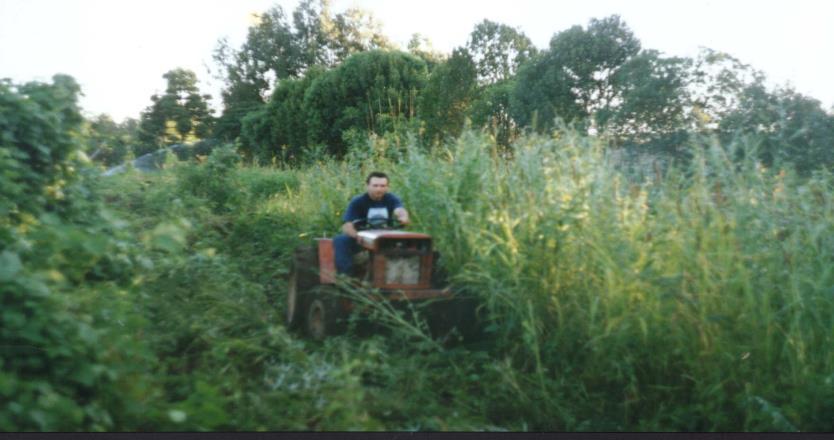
x=279, y=47
x=314, y=78
x=450, y=90
x=600, y=78
x=368, y=92
x=181, y=114
x=498, y=50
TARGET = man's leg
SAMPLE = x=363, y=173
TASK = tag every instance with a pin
x=344, y=247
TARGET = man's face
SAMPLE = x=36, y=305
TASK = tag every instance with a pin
x=377, y=187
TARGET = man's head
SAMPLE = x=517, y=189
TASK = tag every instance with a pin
x=377, y=183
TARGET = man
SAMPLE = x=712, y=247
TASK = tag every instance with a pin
x=375, y=206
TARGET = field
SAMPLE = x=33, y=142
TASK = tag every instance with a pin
x=690, y=296
x=647, y=239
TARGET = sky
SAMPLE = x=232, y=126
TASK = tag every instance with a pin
x=119, y=50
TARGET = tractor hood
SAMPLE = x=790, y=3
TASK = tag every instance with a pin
x=370, y=239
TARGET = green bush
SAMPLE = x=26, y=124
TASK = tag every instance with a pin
x=66, y=270
x=216, y=181
x=37, y=124
x=262, y=183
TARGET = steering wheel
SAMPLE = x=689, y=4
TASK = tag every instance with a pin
x=364, y=224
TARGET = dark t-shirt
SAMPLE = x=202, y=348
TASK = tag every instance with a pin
x=363, y=207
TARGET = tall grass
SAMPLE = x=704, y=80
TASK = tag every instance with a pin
x=697, y=296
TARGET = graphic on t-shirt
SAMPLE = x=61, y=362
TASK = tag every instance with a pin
x=377, y=213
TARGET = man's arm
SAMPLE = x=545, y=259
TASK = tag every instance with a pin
x=351, y=215
x=349, y=229
x=402, y=215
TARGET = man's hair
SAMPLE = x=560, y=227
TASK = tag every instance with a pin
x=376, y=174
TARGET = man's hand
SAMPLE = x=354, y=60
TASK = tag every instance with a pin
x=402, y=216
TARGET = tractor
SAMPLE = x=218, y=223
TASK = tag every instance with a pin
x=393, y=265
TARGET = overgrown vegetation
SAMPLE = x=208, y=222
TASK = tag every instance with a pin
x=662, y=262
x=71, y=359
x=693, y=297
x=697, y=299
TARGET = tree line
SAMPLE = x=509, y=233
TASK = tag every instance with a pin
x=315, y=79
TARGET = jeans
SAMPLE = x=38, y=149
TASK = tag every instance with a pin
x=344, y=247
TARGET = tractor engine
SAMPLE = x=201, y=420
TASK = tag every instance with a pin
x=395, y=260
x=399, y=260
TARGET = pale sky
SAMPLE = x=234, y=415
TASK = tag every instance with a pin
x=118, y=50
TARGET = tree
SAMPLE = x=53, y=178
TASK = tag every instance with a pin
x=449, y=92
x=109, y=142
x=368, y=92
x=421, y=46
x=716, y=83
x=601, y=80
x=267, y=54
x=181, y=114
x=729, y=99
x=592, y=58
x=653, y=102
x=277, y=48
x=787, y=126
x=543, y=93
x=239, y=98
x=279, y=129
x=491, y=110
x=353, y=31
x=498, y=50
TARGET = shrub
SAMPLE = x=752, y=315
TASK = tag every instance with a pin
x=65, y=271
x=216, y=181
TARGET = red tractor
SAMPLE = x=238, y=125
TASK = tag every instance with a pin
x=396, y=265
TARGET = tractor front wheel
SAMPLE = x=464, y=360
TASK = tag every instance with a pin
x=325, y=316
x=302, y=279
x=293, y=300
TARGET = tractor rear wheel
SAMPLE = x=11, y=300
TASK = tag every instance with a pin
x=439, y=275
x=466, y=318
x=302, y=279
x=458, y=313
